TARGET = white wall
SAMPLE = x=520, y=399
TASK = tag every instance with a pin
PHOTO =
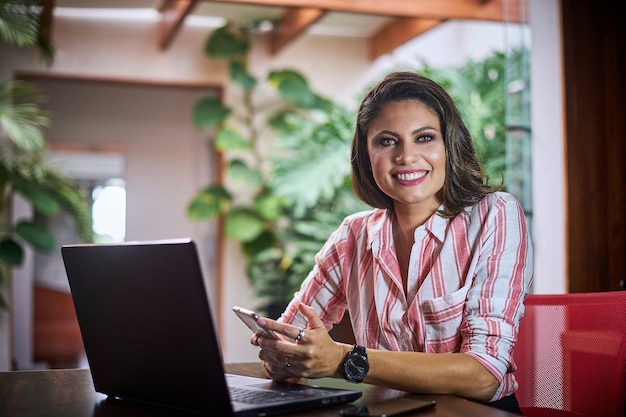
x=167, y=161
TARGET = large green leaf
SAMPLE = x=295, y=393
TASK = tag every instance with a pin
x=239, y=75
x=229, y=139
x=11, y=252
x=209, y=112
x=269, y=206
x=263, y=241
x=41, y=200
x=243, y=224
x=36, y=236
x=209, y=203
x=293, y=87
x=314, y=171
x=241, y=173
x=227, y=42
x=285, y=122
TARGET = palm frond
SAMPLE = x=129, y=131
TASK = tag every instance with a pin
x=26, y=173
x=21, y=118
x=19, y=22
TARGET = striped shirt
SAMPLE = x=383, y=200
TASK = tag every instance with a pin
x=467, y=280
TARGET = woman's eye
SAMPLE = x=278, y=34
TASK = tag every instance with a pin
x=424, y=138
x=387, y=141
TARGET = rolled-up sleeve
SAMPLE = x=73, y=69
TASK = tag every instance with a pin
x=501, y=280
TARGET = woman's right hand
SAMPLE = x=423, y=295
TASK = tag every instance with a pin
x=301, y=352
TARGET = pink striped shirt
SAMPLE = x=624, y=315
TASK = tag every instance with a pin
x=468, y=277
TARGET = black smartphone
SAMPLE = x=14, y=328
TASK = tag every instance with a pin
x=250, y=318
x=389, y=408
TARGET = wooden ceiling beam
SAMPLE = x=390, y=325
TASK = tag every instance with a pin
x=399, y=32
x=172, y=15
x=412, y=17
x=490, y=10
x=292, y=24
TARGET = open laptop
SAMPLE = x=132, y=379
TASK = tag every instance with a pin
x=149, y=336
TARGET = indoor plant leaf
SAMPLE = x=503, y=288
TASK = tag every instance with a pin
x=20, y=115
x=239, y=75
x=36, y=236
x=209, y=112
x=268, y=205
x=293, y=87
x=243, y=224
x=313, y=175
x=229, y=139
x=41, y=200
x=227, y=42
x=241, y=173
x=209, y=203
x=263, y=241
x=11, y=252
x=19, y=23
x=284, y=122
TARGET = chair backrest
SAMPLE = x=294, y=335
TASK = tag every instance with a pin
x=571, y=355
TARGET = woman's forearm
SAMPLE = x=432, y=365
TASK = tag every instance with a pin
x=456, y=373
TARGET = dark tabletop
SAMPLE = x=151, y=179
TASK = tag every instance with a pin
x=70, y=393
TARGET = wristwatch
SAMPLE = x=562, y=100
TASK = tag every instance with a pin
x=355, y=366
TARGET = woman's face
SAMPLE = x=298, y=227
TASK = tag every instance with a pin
x=407, y=153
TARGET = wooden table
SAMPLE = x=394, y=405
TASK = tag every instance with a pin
x=70, y=393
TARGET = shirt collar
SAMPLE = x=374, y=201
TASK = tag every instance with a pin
x=380, y=230
x=437, y=225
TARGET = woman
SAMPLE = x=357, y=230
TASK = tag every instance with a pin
x=434, y=278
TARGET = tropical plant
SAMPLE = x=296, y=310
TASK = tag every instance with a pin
x=480, y=91
x=22, y=149
x=287, y=183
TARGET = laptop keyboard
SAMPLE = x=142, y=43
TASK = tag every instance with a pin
x=255, y=396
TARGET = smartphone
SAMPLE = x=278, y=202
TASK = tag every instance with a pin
x=250, y=318
x=389, y=408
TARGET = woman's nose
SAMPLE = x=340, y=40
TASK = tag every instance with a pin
x=405, y=155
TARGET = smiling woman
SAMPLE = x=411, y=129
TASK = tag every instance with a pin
x=433, y=278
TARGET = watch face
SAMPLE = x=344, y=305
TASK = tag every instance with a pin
x=356, y=367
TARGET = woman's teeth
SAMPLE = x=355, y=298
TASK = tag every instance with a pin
x=412, y=176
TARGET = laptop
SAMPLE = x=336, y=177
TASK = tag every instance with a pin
x=149, y=335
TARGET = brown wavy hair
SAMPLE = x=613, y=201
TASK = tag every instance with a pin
x=465, y=183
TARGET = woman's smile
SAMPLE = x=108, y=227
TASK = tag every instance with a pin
x=410, y=177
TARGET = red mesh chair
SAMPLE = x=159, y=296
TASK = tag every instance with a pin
x=571, y=355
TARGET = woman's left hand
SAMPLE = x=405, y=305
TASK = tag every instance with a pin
x=301, y=352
